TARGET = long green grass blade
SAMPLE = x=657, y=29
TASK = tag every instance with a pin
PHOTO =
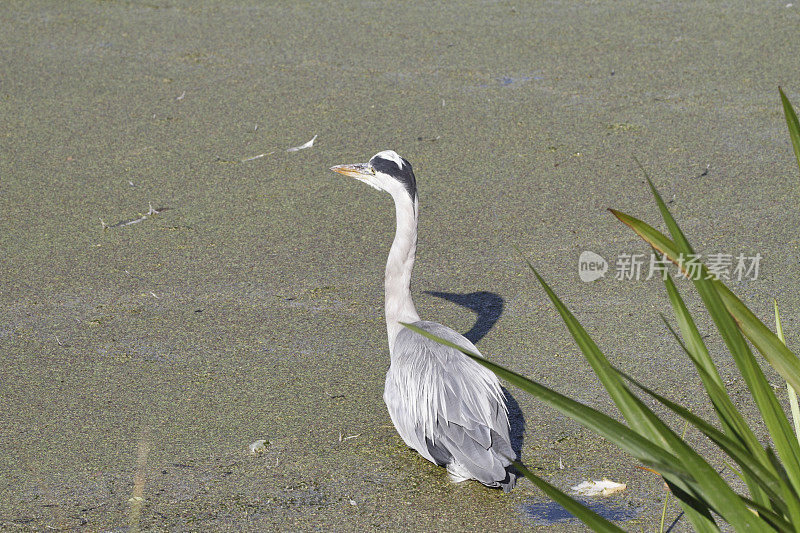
x=769, y=481
x=776, y=521
x=735, y=426
x=792, y=123
x=714, y=489
x=727, y=411
x=696, y=349
x=666, y=500
x=732, y=422
x=695, y=510
x=722, y=314
x=664, y=512
x=762, y=392
x=637, y=415
x=790, y=496
x=773, y=350
x=789, y=389
x=587, y=516
x=726, y=325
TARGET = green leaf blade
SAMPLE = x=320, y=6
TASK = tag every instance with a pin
x=716, y=491
x=766, y=478
x=731, y=316
x=733, y=423
x=793, y=405
x=792, y=123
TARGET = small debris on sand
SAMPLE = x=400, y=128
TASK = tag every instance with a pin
x=150, y=212
x=606, y=487
x=258, y=447
x=309, y=144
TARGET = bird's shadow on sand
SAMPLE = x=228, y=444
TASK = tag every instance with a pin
x=489, y=306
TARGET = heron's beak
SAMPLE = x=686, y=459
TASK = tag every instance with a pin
x=361, y=171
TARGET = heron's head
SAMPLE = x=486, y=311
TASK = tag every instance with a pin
x=386, y=171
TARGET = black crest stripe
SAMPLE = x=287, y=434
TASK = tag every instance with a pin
x=404, y=175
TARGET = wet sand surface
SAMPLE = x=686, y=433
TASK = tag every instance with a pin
x=139, y=360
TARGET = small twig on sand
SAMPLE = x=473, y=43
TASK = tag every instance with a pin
x=150, y=212
x=129, y=222
x=352, y=437
x=259, y=156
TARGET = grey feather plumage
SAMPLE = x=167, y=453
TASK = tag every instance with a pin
x=449, y=408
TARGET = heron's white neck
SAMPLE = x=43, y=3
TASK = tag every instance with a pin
x=399, y=305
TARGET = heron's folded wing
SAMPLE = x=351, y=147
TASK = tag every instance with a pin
x=458, y=403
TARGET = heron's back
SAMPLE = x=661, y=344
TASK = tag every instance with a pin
x=448, y=407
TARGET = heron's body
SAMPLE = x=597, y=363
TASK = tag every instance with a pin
x=449, y=408
x=446, y=406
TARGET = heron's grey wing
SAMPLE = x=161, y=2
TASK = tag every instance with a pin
x=450, y=408
x=406, y=419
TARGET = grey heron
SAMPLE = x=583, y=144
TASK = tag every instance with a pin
x=444, y=405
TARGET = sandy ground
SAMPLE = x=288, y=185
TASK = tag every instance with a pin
x=140, y=360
